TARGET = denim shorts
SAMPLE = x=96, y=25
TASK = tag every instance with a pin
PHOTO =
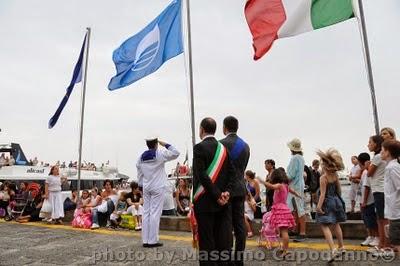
x=369, y=216
x=379, y=199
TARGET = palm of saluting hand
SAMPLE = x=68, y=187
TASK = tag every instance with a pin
x=224, y=198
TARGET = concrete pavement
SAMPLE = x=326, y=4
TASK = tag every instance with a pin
x=42, y=244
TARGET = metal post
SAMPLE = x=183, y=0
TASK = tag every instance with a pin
x=86, y=56
x=367, y=58
x=189, y=35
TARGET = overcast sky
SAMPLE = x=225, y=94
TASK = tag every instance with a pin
x=312, y=86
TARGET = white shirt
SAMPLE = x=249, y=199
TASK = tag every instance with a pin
x=54, y=183
x=248, y=210
x=169, y=202
x=377, y=181
x=114, y=199
x=392, y=190
x=151, y=173
x=365, y=182
x=355, y=170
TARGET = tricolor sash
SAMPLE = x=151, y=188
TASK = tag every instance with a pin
x=213, y=170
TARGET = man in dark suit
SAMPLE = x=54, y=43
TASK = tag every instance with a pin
x=239, y=153
x=212, y=182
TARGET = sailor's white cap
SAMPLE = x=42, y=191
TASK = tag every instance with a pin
x=151, y=137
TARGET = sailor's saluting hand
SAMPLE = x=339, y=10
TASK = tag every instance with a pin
x=162, y=143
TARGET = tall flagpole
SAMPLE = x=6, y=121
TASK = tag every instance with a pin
x=86, y=56
x=367, y=57
x=189, y=35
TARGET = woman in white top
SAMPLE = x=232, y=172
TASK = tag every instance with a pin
x=53, y=194
x=109, y=202
x=95, y=198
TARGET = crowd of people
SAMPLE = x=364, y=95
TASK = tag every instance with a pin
x=105, y=206
x=223, y=199
x=9, y=161
x=6, y=160
x=375, y=188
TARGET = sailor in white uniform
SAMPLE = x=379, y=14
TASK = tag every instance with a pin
x=153, y=179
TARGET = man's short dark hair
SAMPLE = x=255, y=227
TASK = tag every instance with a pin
x=134, y=185
x=209, y=125
x=363, y=158
x=271, y=162
x=151, y=144
x=231, y=124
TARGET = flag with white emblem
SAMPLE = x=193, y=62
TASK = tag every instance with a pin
x=145, y=52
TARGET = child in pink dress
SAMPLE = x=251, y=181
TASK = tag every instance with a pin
x=281, y=216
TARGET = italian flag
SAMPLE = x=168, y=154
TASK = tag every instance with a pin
x=272, y=19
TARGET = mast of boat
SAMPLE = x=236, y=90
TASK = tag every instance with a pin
x=367, y=59
x=83, y=95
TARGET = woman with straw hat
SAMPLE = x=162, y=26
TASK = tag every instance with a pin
x=295, y=172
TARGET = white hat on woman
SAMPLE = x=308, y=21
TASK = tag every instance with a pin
x=295, y=145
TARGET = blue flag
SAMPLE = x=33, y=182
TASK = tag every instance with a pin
x=76, y=78
x=145, y=52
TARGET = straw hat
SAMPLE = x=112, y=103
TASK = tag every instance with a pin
x=331, y=160
x=295, y=145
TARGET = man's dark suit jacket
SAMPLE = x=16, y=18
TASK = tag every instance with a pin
x=203, y=154
x=239, y=153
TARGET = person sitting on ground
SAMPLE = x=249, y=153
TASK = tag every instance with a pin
x=71, y=203
x=32, y=209
x=10, y=190
x=182, y=198
x=135, y=203
x=24, y=190
x=249, y=210
x=4, y=197
x=84, y=201
x=82, y=214
x=95, y=198
x=109, y=201
x=120, y=209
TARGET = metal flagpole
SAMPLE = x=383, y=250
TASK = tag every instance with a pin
x=189, y=35
x=367, y=57
x=86, y=56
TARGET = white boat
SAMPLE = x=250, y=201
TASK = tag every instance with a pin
x=21, y=172
x=343, y=179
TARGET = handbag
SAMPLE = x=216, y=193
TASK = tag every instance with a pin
x=46, y=207
x=127, y=221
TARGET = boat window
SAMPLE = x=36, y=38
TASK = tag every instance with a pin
x=74, y=184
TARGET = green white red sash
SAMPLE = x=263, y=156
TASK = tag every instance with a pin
x=213, y=170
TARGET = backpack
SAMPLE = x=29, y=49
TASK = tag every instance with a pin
x=314, y=182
